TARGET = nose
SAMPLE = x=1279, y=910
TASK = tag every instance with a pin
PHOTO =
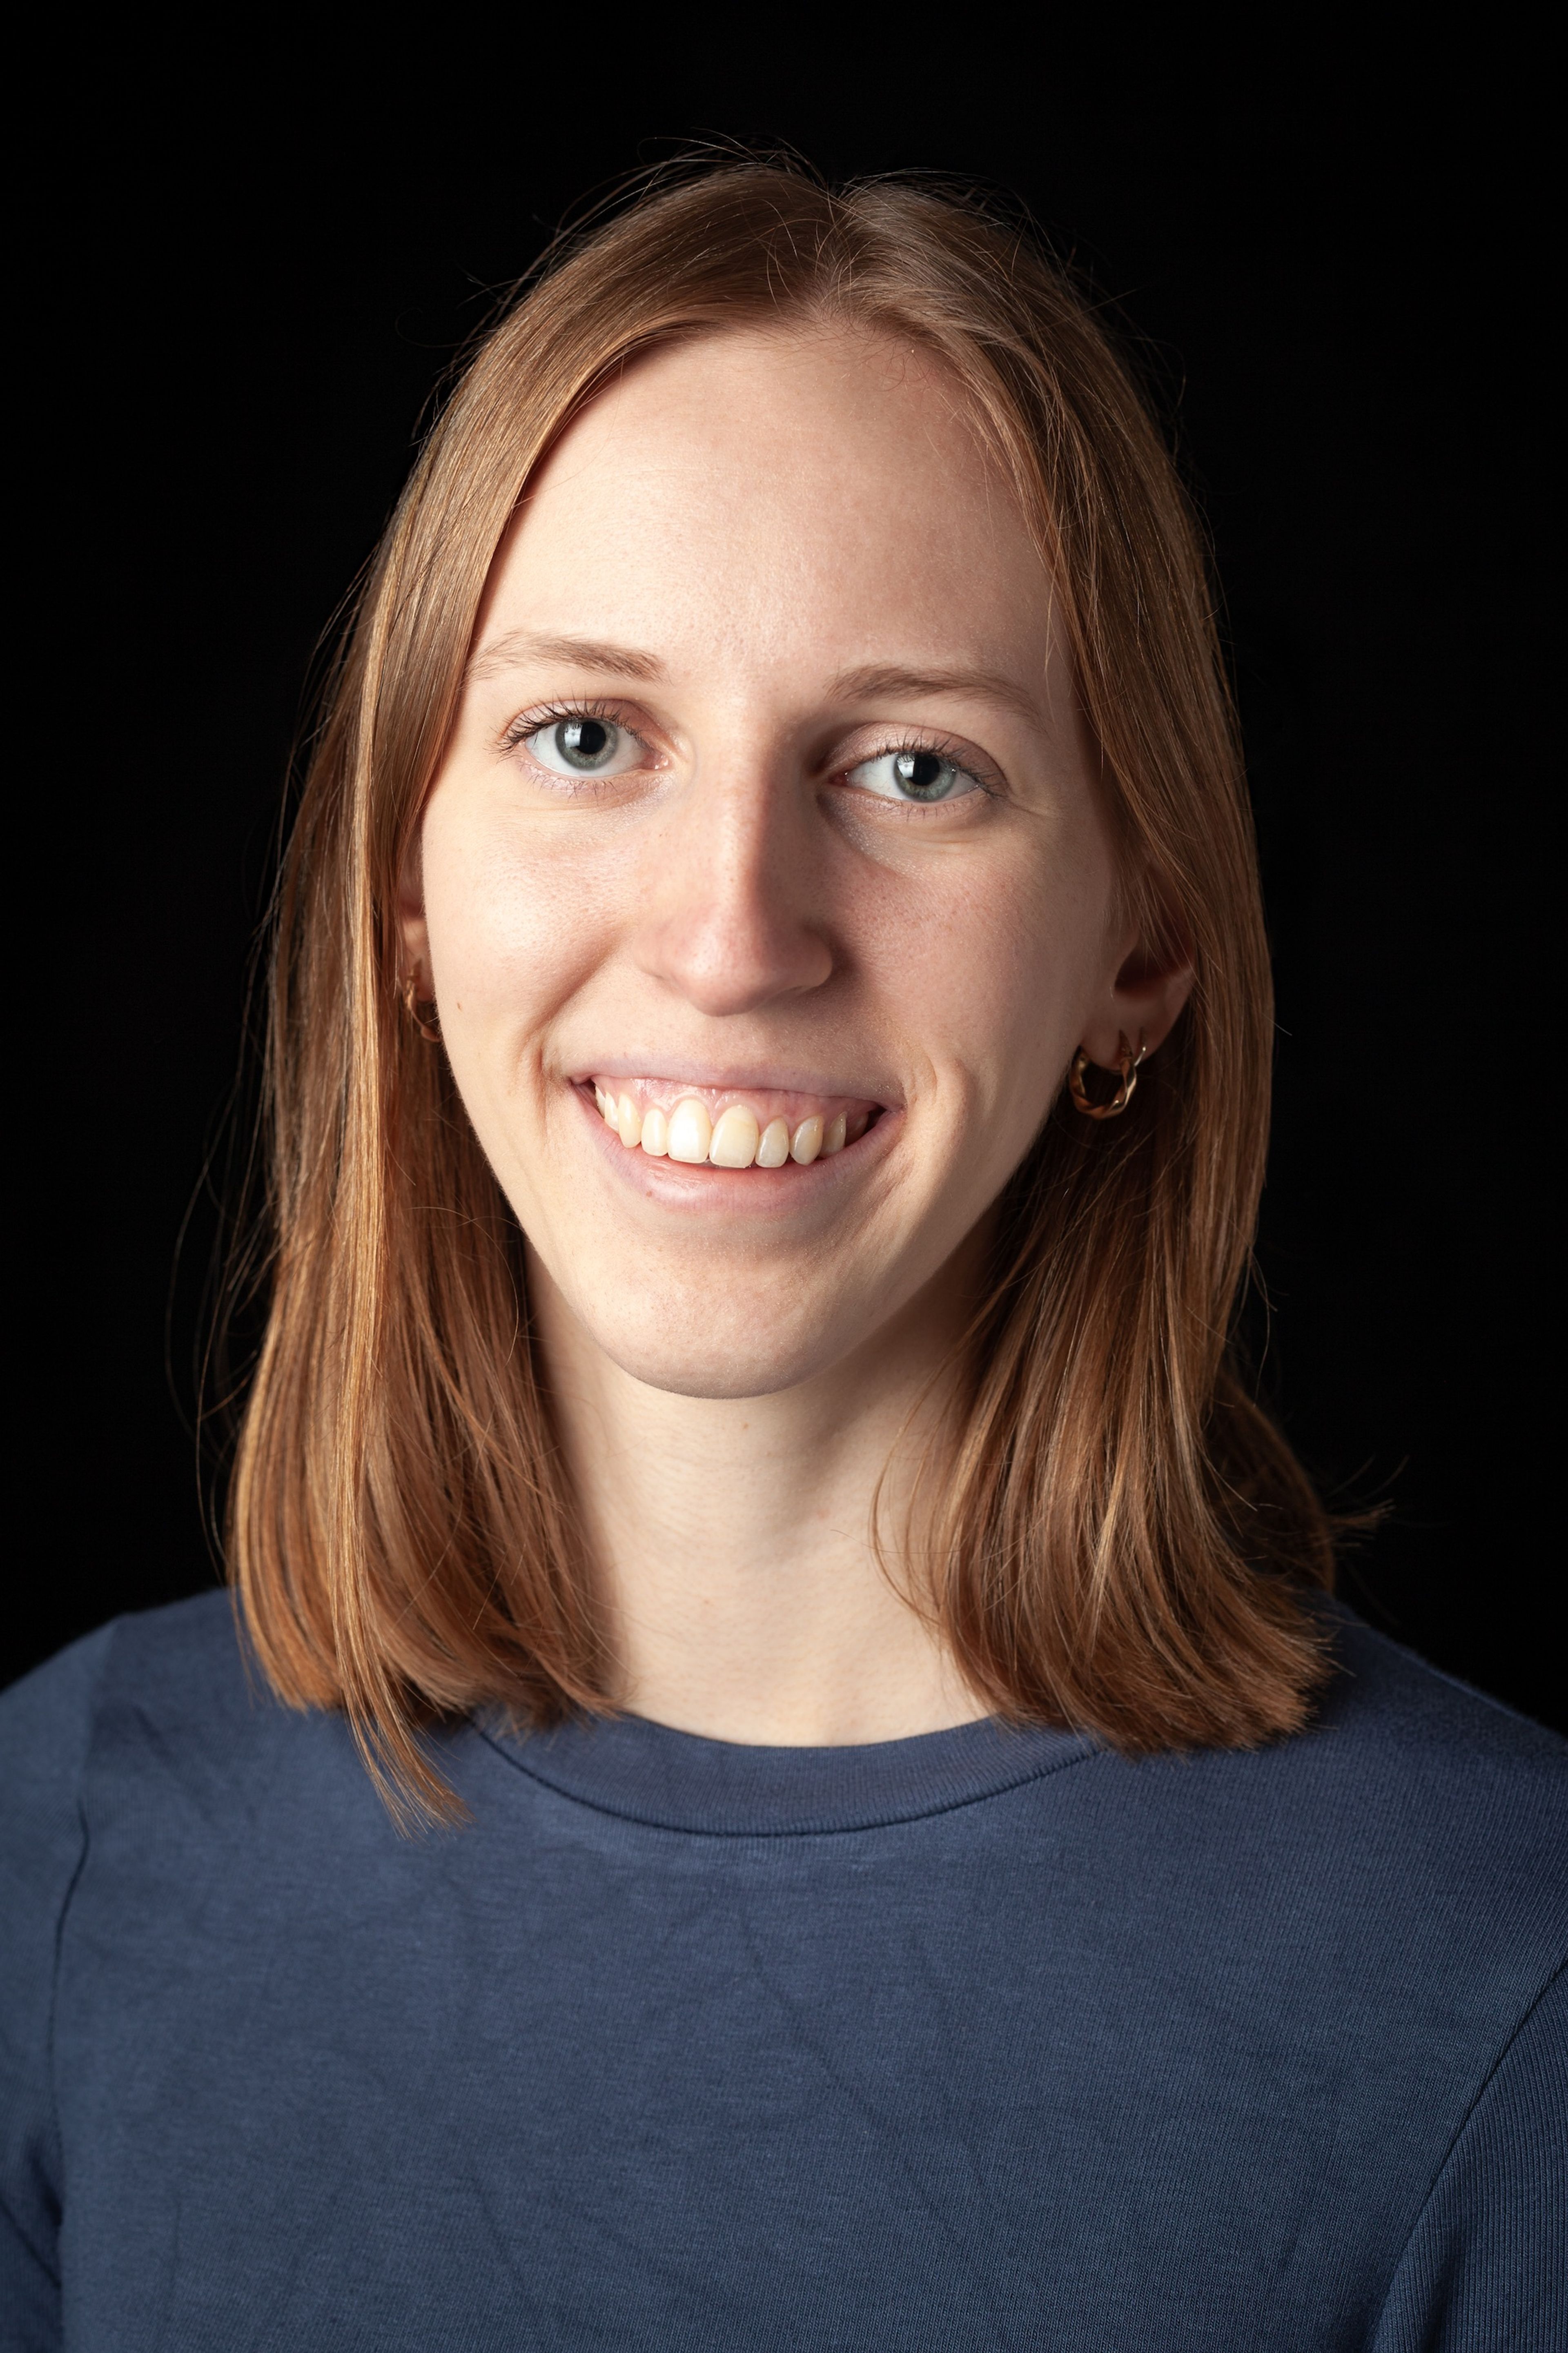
x=731, y=924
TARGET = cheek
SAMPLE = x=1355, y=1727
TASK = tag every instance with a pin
x=994, y=977
x=509, y=936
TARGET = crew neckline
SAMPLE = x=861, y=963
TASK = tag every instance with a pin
x=664, y=1779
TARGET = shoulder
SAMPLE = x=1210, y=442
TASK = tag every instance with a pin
x=1414, y=1842
x=146, y=1710
x=175, y=1674
x=46, y=1723
x=1414, y=1696
x=45, y=1735
x=1446, y=1807
x=1391, y=1880
x=128, y=1761
x=179, y=1669
x=1487, y=2258
x=1448, y=1860
x=1408, y=1730
x=1409, y=1790
x=1403, y=1778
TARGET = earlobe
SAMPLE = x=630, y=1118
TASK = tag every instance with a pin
x=413, y=932
x=416, y=1001
x=416, y=981
x=1146, y=998
x=1154, y=979
x=414, y=940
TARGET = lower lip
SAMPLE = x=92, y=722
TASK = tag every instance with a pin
x=698, y=1185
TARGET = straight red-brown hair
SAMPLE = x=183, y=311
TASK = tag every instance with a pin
x=1110, y=1533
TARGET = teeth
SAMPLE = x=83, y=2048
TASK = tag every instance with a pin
x=629, y=1120
x=691, y=1130
x=773, y=1150
x=734, y=1139
x=690, y=1133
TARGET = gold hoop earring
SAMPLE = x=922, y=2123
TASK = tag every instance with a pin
x=1127, y=1062
x=429, y=1030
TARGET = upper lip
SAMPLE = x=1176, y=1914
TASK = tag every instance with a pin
x=753, y=1077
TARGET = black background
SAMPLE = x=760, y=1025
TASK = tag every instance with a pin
x=246, y=270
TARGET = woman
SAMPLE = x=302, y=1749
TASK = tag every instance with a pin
x=876, y=1834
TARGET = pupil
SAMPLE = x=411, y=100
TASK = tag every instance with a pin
x=584, y=741
x=921, y=773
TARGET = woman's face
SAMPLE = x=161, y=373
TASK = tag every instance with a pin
x=768, y=827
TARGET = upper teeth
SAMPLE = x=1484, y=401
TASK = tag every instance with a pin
x=734, y=1140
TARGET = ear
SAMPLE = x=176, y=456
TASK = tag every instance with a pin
x=1149, y=987
x=412, y=930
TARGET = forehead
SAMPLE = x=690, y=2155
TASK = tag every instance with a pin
x=819, y=493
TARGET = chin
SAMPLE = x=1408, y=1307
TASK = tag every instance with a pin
x=735, y=1382
x=742, y=1354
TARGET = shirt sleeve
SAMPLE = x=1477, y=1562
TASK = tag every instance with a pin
x=1486, y=2262
x=45, y=1730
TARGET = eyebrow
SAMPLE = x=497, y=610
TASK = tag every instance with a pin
x=882, y=682
x=876, y=682
x=582, y=653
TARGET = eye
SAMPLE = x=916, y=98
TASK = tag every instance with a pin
x=583, y=746
x=912, y=776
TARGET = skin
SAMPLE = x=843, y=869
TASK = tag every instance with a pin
x=805, y=562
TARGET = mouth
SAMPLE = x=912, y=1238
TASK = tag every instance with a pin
x=729, y=1127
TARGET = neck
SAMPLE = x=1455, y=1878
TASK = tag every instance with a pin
x=733, y=1537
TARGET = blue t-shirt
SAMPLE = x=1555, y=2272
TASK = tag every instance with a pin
x=987, y=2039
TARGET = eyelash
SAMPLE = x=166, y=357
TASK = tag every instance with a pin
x=941, y=748
x=551, y=715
